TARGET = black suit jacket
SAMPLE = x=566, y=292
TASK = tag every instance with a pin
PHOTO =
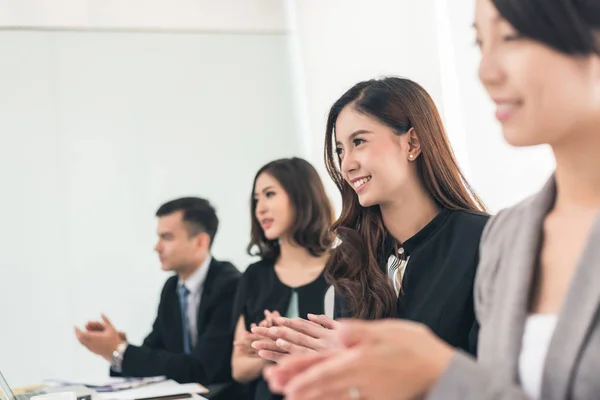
x=437, y=288
x=162, y=350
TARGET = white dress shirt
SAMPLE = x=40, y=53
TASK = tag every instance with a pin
x=195, y=284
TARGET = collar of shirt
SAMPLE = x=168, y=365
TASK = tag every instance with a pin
x=196, y=281
x=389, y=257
x=409, y=246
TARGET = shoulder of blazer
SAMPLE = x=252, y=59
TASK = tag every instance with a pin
x=168, y=293
x=468, y=218
x=505, y=223
x=258, y=267
x=496, y=236
x=169, y=286
x=469, y=225
x=462, y=231
x=222, y=277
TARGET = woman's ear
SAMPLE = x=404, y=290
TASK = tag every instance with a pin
x=414, y=145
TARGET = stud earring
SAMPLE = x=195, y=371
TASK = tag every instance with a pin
x=410, y=156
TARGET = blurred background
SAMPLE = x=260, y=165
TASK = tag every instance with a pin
x=108, y=108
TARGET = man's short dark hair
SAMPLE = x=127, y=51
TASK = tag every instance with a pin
x=198, y=215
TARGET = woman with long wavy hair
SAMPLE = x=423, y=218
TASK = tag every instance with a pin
x=410, y=223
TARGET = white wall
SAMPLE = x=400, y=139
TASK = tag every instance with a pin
x=342, y=42
x=501, y=174
x=96, y=131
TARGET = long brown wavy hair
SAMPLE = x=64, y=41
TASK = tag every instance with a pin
x=312, y=209
x=355, y=265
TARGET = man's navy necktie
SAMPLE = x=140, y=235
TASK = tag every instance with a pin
x=183, y=306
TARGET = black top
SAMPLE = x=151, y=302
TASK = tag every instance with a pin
x=437, y=287
x=260, y=289
x=162, y=351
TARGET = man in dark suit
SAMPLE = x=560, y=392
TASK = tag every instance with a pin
x=191, y=340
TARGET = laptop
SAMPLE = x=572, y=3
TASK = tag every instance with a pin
x=6, y=393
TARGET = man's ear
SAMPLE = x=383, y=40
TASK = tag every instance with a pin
x=595, y=65
x=202, y=240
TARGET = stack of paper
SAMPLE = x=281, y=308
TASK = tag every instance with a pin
x=167, y=390
x=109, y=384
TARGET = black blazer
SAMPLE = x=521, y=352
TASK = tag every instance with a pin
x=162, y=350
x=260, y=289
x=437, y=288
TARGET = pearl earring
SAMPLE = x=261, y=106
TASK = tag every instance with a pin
x=411, y=156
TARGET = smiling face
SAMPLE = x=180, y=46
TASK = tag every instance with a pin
x=542, y=96
x=375, y=161
x=273, y=209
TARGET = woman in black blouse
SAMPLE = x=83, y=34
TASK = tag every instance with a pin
x=291, y=216
x=410, y=224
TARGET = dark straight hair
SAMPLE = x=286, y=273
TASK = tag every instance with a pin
x=312, y=209
x=198, y=215
x=568, y=26
x=354, y=266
